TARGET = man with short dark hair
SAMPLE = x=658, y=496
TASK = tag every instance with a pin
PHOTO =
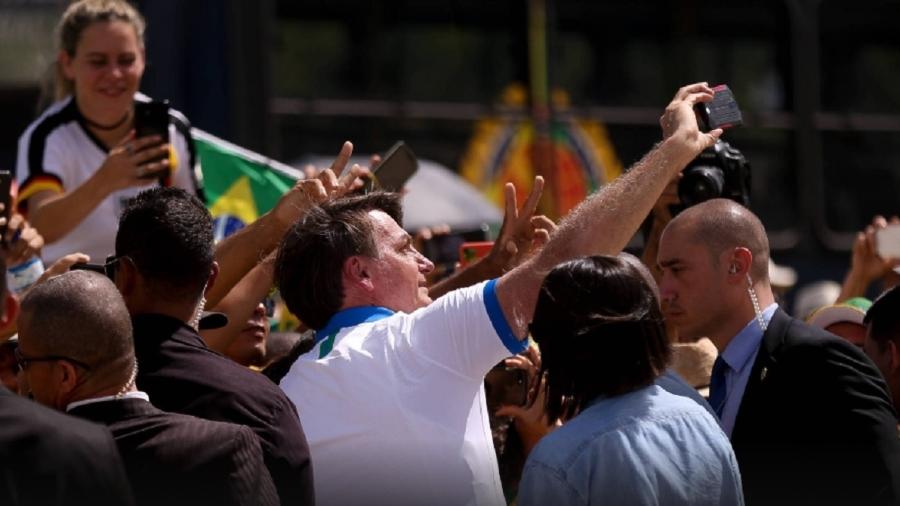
x=170, y=458
x=164, y=265
x=882, y=342
x=807, y=412
x=391, y=393
x=49, y=458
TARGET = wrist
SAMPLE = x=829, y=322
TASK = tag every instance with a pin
x=677, y=151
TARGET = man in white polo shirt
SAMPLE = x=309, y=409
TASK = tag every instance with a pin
x=390, y=397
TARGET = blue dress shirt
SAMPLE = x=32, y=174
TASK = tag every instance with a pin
x=739, y=356
x=644, y=447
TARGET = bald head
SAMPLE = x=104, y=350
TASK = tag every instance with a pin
x=722, y=224
x=80, y=315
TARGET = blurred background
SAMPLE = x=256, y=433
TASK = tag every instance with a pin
x=494, y=90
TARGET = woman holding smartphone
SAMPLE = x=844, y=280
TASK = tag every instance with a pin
x=81, y=159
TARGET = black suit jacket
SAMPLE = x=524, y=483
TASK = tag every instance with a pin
x=48, y=458
x=816, y=424
x=175, y=459
x=181, y=374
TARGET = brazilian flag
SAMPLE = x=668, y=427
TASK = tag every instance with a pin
x=240, y=185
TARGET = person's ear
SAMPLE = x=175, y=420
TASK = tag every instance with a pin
x=10, y=310
x=356, y=273
x=213, y=275
x=893, y=356
x=67, y=381
x=65, y=65
x=739, y=262
x=128, y=279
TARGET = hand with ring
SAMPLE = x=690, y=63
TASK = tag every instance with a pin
x=131, y=159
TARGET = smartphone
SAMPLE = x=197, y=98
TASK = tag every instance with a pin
x=6, y=200
x=396, y=167
x=722, y=112
x=887, y=241
x=506, y=386
x=88, y=267
x=152, y=118
x=469, y=252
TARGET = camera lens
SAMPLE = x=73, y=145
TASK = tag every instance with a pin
x=699, y=184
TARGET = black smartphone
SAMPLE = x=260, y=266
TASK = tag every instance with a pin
x=722, y=112
x=506, y=386
x=396, y=167
x=6, y=200
x=152, y=118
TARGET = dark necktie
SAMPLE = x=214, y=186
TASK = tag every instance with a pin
x=717, y=386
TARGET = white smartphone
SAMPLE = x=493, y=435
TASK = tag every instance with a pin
x=887, y=241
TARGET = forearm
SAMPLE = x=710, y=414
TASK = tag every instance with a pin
x=240, y=303
x=240, y=252
x=602, y=224
x=55, y=215
x=855, y=285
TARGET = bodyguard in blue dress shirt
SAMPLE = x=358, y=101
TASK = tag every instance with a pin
x=808, y=414
x=625, y=439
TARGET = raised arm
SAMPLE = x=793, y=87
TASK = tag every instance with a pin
x=606, y=220
x=56, y=214
x=240, y=252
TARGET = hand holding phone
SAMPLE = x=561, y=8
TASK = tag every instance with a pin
x=396, y=168
x=722, y=112
x=887, y=241
x=152, y=118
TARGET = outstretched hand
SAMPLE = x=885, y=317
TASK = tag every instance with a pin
x=866, y=259
x=21, y=241
x=323, y=186
x=679, y=121
x=521, y=230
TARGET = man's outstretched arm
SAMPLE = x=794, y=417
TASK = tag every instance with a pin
x=605, y=221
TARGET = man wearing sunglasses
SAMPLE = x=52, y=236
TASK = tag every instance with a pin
x=46, y=457
x=77, y=352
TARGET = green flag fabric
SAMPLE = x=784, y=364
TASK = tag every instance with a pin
x=240, y=185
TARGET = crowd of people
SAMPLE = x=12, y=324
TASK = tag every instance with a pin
x=146, y=377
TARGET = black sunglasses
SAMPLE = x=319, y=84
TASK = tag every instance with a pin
x=108, y=269
x=23, y=361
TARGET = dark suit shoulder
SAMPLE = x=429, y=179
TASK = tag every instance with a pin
x=47, y=457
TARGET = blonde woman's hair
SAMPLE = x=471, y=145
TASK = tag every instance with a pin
x=77, y=18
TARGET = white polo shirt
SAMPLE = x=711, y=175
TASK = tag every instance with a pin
x=393, y=406
x=59, y=153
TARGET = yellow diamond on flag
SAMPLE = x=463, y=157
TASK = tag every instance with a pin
x=237, y=201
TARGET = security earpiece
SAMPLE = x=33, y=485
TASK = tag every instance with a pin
x=733, y=269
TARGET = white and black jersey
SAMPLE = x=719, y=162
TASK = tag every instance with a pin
x=59, y=153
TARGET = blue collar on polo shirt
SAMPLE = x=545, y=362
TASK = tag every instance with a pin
x=350, y=317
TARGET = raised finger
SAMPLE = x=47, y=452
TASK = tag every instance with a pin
x=509, y=199
x=686, y=90
x=351, y=177
x=534, y=197
x=541, y=221
x=337, y=167
x=328, y=179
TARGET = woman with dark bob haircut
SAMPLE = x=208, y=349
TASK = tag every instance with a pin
x=625, y=440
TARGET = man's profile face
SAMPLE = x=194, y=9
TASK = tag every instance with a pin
x=398, y=273
x=690, y=285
